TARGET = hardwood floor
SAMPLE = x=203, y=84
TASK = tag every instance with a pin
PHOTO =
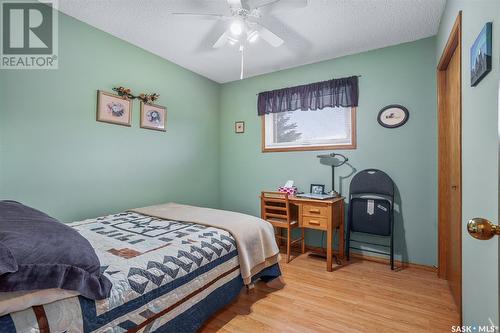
x=361, y=296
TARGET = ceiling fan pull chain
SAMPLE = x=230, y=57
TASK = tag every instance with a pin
x=242, y=48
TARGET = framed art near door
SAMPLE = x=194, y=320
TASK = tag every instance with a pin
x=480, y=55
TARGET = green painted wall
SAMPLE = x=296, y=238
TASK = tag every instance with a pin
x=403, y=74
x=480, y=284
x=56, y=157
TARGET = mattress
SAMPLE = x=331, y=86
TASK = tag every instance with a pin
x=168, y=276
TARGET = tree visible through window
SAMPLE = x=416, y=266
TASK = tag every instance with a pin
x=329, y=128
x=286, y=130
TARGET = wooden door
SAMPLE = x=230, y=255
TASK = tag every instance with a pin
x=454, y=254
x=450, y=164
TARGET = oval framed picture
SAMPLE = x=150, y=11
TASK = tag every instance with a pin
x=393, y=116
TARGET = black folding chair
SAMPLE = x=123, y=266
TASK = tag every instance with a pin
x=371, y=209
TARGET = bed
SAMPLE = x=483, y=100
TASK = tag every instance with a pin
x=167, y=276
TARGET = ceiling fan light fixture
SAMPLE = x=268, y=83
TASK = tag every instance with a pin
x=236, y=27
x=232, y=41
x=253, y=36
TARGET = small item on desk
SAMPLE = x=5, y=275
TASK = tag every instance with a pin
x=317, y=189
x=288, y=188
x=334, y=194
x=316, y=196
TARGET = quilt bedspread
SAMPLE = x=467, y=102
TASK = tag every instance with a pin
x=159, y=269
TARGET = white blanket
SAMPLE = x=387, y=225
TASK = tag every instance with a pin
x=257, y=248
x=20, y=300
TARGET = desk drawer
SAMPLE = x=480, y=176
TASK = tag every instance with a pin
x=315, y=210
x=315, y=222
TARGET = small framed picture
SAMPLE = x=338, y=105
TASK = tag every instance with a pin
x=239, y=127
x=113, y=109
x=317, y=189
x=480, y=55
x=153, y=117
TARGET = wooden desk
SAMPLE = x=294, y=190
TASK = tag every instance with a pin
x=325, y=215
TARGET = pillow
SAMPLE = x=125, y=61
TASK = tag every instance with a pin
x=47, y=253
x=8, y=263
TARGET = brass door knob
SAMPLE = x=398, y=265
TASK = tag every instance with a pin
x=482, y=229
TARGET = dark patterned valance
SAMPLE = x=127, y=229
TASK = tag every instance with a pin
x=333, y=93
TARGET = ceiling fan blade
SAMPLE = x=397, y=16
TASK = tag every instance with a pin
x=269, y=36
x=236, y=4
x=221, y=41
x=197, y=7
x=277, y=5
x=201, y=15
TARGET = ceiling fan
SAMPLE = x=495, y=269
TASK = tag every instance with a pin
x=243, y=26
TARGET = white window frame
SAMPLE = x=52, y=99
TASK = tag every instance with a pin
x=316, y=146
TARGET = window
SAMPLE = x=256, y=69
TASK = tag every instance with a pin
x=329, y=128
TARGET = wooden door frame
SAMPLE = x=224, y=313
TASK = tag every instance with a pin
x=454, y=44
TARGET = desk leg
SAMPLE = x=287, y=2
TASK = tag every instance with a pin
x=329, y=240
x=303, y=233
x=341, y=230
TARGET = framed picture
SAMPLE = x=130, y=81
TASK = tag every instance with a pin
x=393, y=116
x=239, y=127
x=480, y=55
x=113, y=109
x=153, y=117
x=317, y=189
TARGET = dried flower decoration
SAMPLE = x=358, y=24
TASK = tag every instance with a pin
x=127, y=93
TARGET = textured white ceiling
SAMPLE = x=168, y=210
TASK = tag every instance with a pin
x=325, y=29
